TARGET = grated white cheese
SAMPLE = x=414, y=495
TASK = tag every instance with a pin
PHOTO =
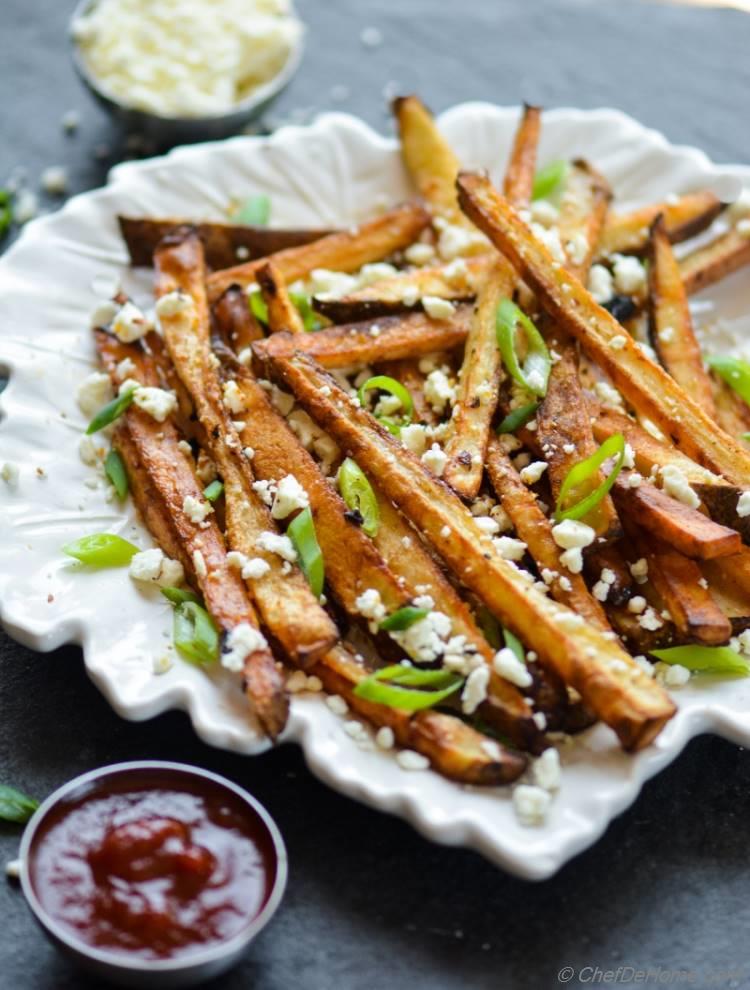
x=509, y=548
x=475, y=689
x=233, y=398
x=154, y=567
x=197, y=510
x=243, y=640
x=533, y=472
x=507, y=665
x=600, y=283
x=531, y=804
x=546, y=770
x=157, y=402
x=94, y=392
x=675, y=483
x=571, y=534
x=130, y=324
x=290, y=496
x=282, y=546
x=435, y=460
x=630, y=274
x=437, y=308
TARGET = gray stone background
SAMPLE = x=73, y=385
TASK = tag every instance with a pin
x=370, y=904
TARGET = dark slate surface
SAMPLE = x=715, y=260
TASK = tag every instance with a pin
x=370, y=904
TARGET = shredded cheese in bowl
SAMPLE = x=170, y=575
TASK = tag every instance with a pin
x=186, y=58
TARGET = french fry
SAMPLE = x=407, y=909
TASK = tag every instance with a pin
x=583, y=215
x=408, y=373
x=646, y=385
x=534, y=528
x=287, y=606
x=732, y=412
x=670, y=324
x=618, y=692
x=710, y=264
x=729, y=578
x=478, y=385
x=396, y=337
x=232, y=311
x=521, y=168
x=675, y=524
x=283, y=315
x=610, y=558
x=454, y=749
x=173, y=479
x=428, y=157
x=344, y=251
x=223, y=242
x=627, y=233
x=455, y=282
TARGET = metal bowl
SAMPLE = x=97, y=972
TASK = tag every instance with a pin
x=165, y=132
x=194, y=968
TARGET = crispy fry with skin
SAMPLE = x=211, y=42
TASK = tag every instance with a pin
x=454, y=749
x=730, y=577
x=221, y=241
x=521, y=168
x=478, y=385
x=677, y=525
x=283, y=315
x=428, y=157
x=172, y=476
x=627, y=233
x=231, y=310
x=286, y=604
x=397, y=337
x=583, y=214
x=456, y=282
x=344, y=251
x=534, y=528
x=670, y=323
x=710, y=264
x=619, y=693
x=646, y=385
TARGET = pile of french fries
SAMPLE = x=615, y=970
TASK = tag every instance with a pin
x=467, y=494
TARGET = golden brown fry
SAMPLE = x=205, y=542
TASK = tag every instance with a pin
x=534, y=528
x=223, y=242
x=729, y=579
x=453, y=748
x=283, y=315
x=618, y=692
x=428, y=158
x=457, y=282
x=670, y=323
x=478, y=385
x=345, y=251
x=519, y=173
x=288, y=608
x=583, y=214
x=627, y=233
x=677, y=525
x=610, y=558
x=231, y=311
x=710, y=264
x=396, y=337
x=646, y=385
x=407, y=372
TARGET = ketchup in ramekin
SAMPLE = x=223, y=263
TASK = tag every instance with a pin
x=152, y=864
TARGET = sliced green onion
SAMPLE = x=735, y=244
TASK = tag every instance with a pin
x=514, y=645
x=744, y=436
x=114, y=468
x=706, y=659
x=178, y=596
x=549, y=180
x=359, y=496
x=490, y=627
x=582, y=472
x=735, y=372
x=394, y=686
x=517, y=418
x=15, y=806
x=403, y=618
x=194, y=633
x=301, y=531
x=109, y=413
x=534, y=373
x=387, y=384
x=309, y=317
x=257, y=306
x=254, y=212
x=6, y=211
x=101, y=550
x=213, y=491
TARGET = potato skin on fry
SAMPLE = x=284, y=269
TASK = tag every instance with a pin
x=518, y=182
x=627, y=233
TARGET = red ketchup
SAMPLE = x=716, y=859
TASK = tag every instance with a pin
x=154, y=869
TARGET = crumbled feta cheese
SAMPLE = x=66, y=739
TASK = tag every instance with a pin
x=196, y=509
x=290, y=496
x=630, y=275
x=241, y=642
x=94, y=392
x=550, y=238
x=650, y=620
x=410, y=295
x=600, y=284
x=577, y=248
x=435, y=460
x=157, y=402
x=455, y=241
x=282, y=546
x=487, y=524
x=154, y=567
x=637, y=604
x=540, y=720
x=572, y=559
x=546, y=770
x=419, y=254
x=199, y=563
x=162, y=664
x=438, y=390
x=130, y=324
x=384, y=737
x=54, y=180
x=414, y=437
x=743, y=505
x=370, y=606
x=437, y=308
x=475, y=689
x=125, y=368
x=609, y=397
x=507, y=665
x=245, y=356
x=639, y=570
x=671, y=674
x=675, y=483
x=173, y=304
x=531, y=804
x=618, y=342
x=10, y=474
x=533, y=472
x=233, y=398
x=571, y=534
x=337, y=704
x=509, y=548
x=409, y=759
x=544, y=212
x=205, y=469
x=426, y=639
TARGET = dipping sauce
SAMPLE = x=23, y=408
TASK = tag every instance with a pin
x=152, y=866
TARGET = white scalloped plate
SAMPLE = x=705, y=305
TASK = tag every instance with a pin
x=326, y=173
